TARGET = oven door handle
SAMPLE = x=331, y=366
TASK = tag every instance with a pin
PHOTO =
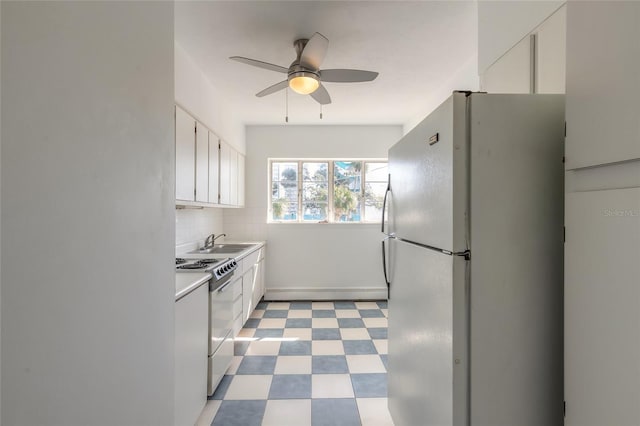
x=224, y=286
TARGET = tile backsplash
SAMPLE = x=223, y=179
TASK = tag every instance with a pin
x=195, y=224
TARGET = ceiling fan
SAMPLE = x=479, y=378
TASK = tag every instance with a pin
x=304, y=75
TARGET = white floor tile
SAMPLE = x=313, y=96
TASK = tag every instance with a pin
x=324, y=323
x=247, y=332
x=347, y=313
x=287, y=412
x=293, y=365
x=272, y=323
x=263, y=347
x=367, y=305
x=354, y=334
x=372, y=322
x=208, y=413
x=327, y=347
x=331, y=386
x=258, y=313
x=322, y=305
x=374, y=412
x=297, y=333
x=300, y=313
x=365, y=364
x=249, y=387
x=381, y=346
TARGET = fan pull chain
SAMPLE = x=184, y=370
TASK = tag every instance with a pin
x=286, y=101
x=320, y=111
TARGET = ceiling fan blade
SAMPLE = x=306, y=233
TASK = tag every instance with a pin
x=273, y=89
x=260, y=64
x=313, y=53
x=321, y=95
x=347, y=76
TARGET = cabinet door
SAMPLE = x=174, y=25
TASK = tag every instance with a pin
x=202, y=163
x=258, y=287
x=225, y=173
x=602, y=308
x=233, y=177
x=603, y=87
x=191, y=336
x=185, y=156
x=241, y=180
x=214, y=168
x=247, y=294
x=551, y=43
x=512, y=72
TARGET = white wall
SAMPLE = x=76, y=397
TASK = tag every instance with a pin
x=88, y=213
x=501, y=24
x=195, y=224
x=344, y=260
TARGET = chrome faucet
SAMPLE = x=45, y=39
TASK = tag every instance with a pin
x=208, y=243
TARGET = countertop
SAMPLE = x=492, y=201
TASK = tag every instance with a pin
x=186, y=282
x=236, y=255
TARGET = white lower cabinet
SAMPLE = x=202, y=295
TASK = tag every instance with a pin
x=191, y=345
x=238, y=319
x=219, y=363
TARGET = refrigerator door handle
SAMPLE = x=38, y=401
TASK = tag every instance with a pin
x=384, y=204
x=384, y=267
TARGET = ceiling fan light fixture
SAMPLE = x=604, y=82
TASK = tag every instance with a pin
x=303, y=82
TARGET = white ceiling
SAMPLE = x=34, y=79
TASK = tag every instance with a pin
x=415, y=46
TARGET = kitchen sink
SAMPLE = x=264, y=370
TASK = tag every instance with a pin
x=222, y=249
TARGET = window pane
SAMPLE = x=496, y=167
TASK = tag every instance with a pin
x=314, y=211
x=317, y=172
x=375, y=172
x=346, y=191
x=284, y=191
x=373, y=198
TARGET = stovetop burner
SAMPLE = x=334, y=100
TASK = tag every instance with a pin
x=196, y=265
x=180, y=261
x=209, y=261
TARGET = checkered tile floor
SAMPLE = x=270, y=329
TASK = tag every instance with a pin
x=306, y=363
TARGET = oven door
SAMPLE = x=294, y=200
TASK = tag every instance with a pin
x=220, y=313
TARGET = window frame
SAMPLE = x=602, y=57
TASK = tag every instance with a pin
x=330, y=190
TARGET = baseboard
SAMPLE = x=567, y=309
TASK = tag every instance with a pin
x=326, y=293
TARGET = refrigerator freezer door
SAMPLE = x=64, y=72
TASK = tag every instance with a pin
x=428, y=177
x=427, y=337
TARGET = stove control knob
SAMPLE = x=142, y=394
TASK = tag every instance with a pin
x=226, y=268
x=219, y=271
x=233, y=263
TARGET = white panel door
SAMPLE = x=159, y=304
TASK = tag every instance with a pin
x=202, y=163
x=512, y=73
x=185, y=156
x=551, y=46
x=603, y=82
x=225, y=173
x=214, y=168
x=602, y=308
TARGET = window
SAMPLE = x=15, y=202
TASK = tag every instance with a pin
x=333, y=191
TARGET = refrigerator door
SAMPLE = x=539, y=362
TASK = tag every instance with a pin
x=428, y=361
x=428, y=179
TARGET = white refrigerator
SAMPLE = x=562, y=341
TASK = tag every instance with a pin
x=473, y=256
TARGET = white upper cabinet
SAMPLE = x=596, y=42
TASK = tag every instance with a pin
x=225, y=173
x=603, y=83
x=233, y=177
x=202, y=163
x=208, y=171
x=185, y=156
x=551, y=51
x=534, y=65
x=214, y=168
x=241, y=180
x=512, y=72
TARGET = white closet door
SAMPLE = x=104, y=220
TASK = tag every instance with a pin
x=233, y=177
x=241, y=180
x=602, y=308
x=214, y=168
x=225, y=173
